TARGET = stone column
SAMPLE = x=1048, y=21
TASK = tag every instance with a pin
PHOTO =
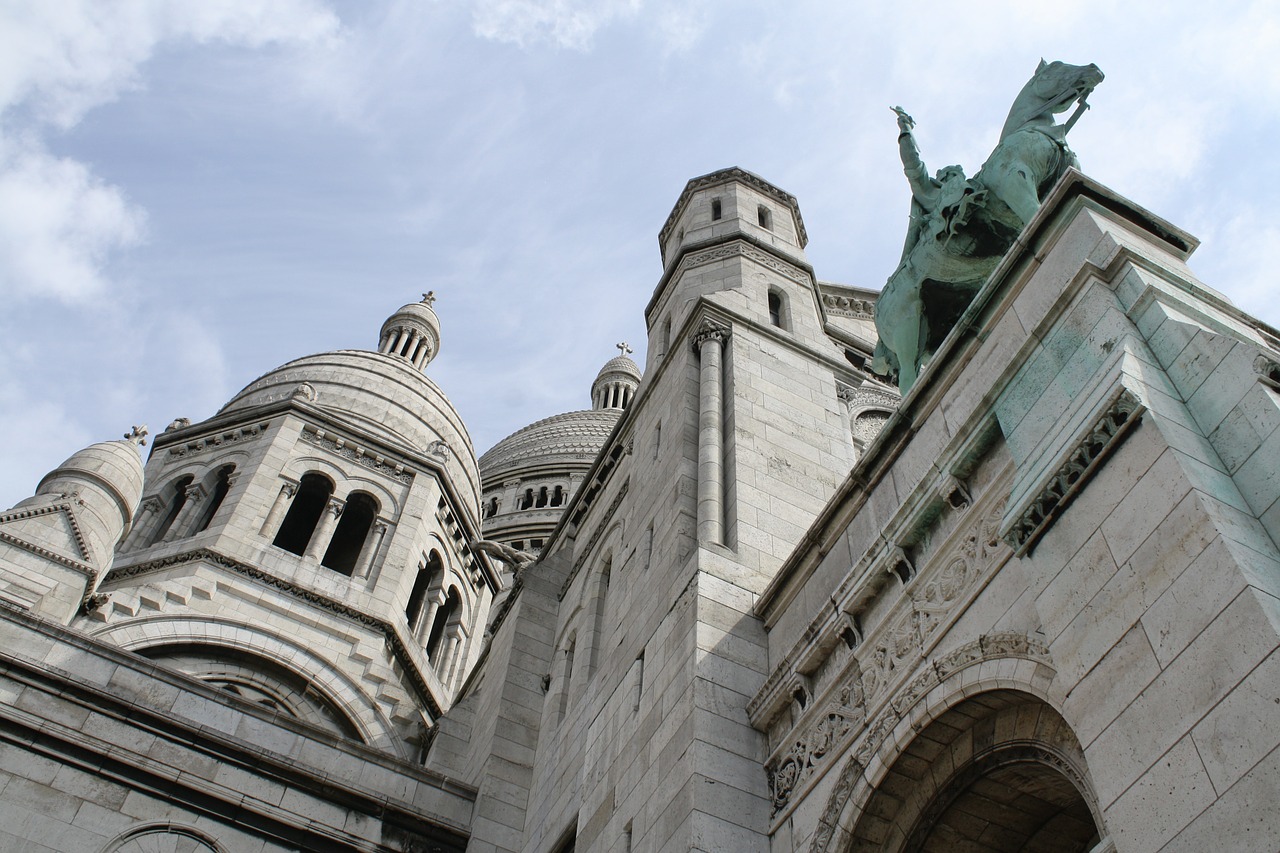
x=435, y=600
x=272, y=524
x=324, y=529
x=372, y=543
x=145, y=521
x=457, y=647
x=709, y=343
x=182, y=524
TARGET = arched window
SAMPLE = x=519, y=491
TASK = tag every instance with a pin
x=351, y=533
x=601, y=605
x=777, y=310
x=527, y=501
x=765, y=217
x=557, y=496
x=177, y=499
x=716, y=209
x=314, y=491
x=430, y=574
x=542, y=497
x=446, y=615
x=491, y=508
x=566, y=678
x=221, y=485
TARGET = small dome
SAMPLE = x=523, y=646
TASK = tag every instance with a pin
x=111, y=467
x=570, y=440
x=622, y=365
x=412, y=333
x=616, y=382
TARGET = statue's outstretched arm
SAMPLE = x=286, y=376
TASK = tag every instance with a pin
x=912, y=164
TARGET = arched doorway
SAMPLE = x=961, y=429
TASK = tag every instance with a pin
x=997, y=773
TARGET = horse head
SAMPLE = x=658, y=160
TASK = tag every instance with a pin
x=1052, y=89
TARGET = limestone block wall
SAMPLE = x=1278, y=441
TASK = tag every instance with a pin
x=97, y=745
x=1052, y=512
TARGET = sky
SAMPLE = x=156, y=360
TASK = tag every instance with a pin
x=192, y=194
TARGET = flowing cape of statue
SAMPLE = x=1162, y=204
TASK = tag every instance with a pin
x=951, y=250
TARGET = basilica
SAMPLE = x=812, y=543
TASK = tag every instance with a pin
x=749, y=599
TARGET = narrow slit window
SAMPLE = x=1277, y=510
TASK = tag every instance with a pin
x=765, y=217
x=716, y=210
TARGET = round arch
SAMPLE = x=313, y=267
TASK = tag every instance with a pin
x=989, y=723
x=322, y=677
x=996, y=773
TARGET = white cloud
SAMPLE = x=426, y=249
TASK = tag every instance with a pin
x=563, y=23
x=59, y=223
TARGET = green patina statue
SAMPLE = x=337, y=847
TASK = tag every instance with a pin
x=960, y=228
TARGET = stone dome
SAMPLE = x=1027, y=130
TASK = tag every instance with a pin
x=573, y=437
x=622, y=365
x=413, y=332
x=616, y=383
x=113, y=467
x=382, y=395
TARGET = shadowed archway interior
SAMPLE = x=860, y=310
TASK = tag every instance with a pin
x=998, y=773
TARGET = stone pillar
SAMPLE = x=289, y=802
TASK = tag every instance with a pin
x=372, y=543
x=457, y=647
x=407, y=349
x=709, y=343
x=143, y=523
x=182, y=524
x=435, y=600
x=272, y=524
x=324, y=529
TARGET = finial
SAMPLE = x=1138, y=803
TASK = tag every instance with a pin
x=138, y=435
x=623, y=348
x=429, y=298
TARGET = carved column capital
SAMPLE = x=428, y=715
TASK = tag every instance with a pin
x=195, y=492
x=335, y=507
x=151, y=504
x=710, y=330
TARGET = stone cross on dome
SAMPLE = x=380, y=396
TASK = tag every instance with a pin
x=624, y=349
x=429, y=298
x=137, y=435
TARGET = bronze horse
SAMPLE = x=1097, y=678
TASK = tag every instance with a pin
x=960, y=229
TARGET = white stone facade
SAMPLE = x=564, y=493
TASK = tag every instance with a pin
x=1035, y=605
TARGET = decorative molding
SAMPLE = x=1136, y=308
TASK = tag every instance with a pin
x=843, y=728
x=742, y=249
x=845, y=306
x=347, y=450
x=210, y=442
x=1103, y=437
x=66, y=505
x=710, y=330
x=324, y=602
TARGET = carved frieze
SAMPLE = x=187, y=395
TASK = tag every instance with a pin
x=360, y=455
x=847, y=306
x=828, y=731
x=210, y=442
x=1098, y=443
x=845, y=722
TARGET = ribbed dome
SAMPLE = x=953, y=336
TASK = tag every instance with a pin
x=619, y=365
x=382, y=395
x=570, y=437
